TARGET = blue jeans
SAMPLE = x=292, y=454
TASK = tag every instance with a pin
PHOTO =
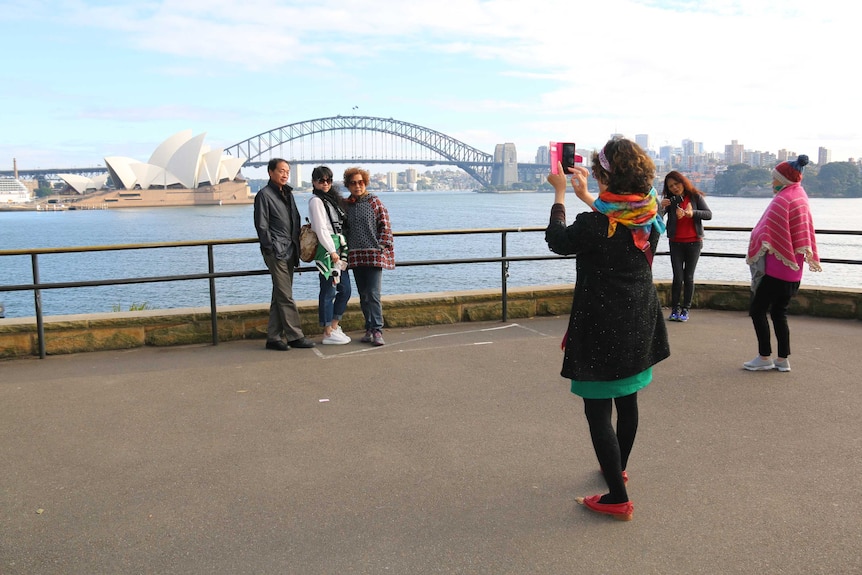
x=368, y=281
x=332, y=300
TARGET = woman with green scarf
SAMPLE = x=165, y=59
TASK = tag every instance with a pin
x=616, y=330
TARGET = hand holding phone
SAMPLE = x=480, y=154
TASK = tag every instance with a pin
x=563, y=153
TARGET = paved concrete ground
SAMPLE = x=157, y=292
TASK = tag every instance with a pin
x=453, y=449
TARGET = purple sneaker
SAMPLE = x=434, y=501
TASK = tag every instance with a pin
x=377, y=338
x=367, y=338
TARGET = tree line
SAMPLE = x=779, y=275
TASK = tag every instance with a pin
x=832, y=180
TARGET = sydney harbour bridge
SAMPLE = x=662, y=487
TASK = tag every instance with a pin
x=361, y=140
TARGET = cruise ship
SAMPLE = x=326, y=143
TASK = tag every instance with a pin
x=14, y=194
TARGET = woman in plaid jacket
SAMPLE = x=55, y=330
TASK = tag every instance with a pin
x=371, y=249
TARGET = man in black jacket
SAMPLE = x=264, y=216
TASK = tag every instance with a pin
x=276, y=220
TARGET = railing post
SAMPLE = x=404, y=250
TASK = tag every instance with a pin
x=505, y=275
x=213, y=310
x=37, y=297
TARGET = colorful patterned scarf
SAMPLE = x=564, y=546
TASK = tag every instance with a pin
x=634, y=211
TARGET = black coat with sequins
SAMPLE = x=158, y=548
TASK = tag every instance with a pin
x=616, y=328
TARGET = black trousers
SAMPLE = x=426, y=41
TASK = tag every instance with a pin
x=773, y=297
x=683, y=261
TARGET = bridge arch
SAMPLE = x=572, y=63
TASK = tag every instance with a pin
x=476, y=163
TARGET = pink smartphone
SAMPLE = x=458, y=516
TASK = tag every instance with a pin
x=564, y=153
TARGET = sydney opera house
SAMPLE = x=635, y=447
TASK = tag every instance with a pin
x=182, y=171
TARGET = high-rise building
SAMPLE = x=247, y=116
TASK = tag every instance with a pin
x=824, y=156
x=785, y=155
x=666, y=155
x=642, y=140
x=543, y=155
x=733, y=153
x=691, y=148
x=687, y=148
x=754, y=159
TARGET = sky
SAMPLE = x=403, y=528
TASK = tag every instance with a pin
x=86, y=79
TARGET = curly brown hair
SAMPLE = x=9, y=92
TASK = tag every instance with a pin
x=350, y=172
x=632, y=171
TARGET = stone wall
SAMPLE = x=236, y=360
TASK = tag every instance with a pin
x=122, y=330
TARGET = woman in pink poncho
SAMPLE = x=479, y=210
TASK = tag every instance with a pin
x=780, y=243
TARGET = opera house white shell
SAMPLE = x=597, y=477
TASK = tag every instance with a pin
x=181, y=161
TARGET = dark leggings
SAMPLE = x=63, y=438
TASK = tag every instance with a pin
x=773, y=296
x=683, y=261
x=613, y=447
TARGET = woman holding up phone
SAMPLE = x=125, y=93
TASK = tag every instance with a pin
x=616, y=330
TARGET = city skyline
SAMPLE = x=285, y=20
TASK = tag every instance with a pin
x=99, y=78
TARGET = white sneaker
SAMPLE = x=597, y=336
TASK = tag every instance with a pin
x=782, y=364
x=336, y=338
x=758, y=364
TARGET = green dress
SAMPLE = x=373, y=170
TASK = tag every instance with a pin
x=613, y=388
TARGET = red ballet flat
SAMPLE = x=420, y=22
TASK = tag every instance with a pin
x=619, y=511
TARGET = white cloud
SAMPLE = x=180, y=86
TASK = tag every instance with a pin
x=769, y=74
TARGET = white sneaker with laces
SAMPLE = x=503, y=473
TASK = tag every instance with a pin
x=758, y=364
x=336, y=338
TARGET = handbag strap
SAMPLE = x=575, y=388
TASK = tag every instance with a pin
x=336, y=226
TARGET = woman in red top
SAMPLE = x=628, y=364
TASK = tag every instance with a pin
x=685, y=209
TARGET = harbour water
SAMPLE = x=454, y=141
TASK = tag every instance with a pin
x=408, y=211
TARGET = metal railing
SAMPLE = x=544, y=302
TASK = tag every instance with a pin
x=503, y=259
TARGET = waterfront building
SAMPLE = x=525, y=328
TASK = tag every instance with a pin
x=642, y=140
x=180, y=161
x=82, y=184
x=181, y=171
x=12, y=191
x=824, y=156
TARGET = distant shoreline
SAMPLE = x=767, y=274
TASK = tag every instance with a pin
x=226, y=193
